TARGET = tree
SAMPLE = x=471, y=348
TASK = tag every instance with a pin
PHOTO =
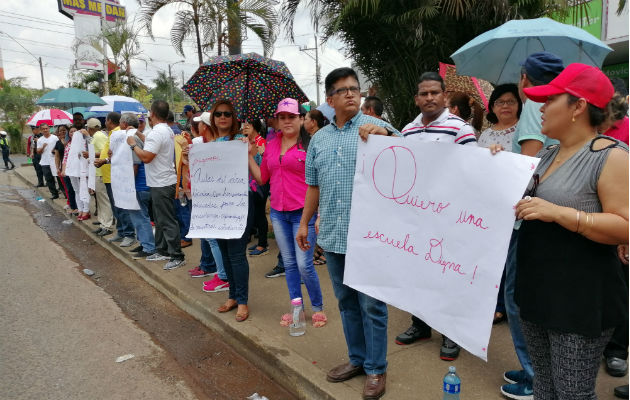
x=17, y=103
x=165, y=86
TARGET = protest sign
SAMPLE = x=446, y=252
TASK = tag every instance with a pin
x=123, y=179
x=429, y=230
x=218, y=180
x=73, y=163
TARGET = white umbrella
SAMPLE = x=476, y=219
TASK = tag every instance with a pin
x=51, y=117
x=120, y=104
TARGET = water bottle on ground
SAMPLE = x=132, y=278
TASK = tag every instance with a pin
x=298, y=321
x=452, y=385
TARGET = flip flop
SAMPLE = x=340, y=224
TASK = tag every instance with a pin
x=227, y=307
x=319, y=319
x=286, y=320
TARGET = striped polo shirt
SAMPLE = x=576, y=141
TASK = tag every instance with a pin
x=447, y=128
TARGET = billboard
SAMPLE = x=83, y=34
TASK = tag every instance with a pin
x=113, y=9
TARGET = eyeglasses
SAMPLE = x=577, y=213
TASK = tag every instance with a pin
x=500, y=103
x=344, y=91
x=227, y=114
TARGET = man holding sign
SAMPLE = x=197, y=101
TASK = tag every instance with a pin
x=330, y=167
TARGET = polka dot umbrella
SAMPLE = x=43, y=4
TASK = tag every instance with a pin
x=253, y=83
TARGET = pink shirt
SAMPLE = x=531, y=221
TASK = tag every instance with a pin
x=286, y=176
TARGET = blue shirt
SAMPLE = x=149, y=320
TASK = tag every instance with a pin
x=330, y=164
x=529, y=126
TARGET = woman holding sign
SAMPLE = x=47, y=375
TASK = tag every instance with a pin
x=570, y=285
x=283, y=167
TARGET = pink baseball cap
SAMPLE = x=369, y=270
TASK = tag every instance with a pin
x=288, y=105
x=580, y=80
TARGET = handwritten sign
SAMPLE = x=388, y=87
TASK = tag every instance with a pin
x=429, y=230
x=218, y=180
x=73, y=164
x=91, y=182
x=123, y=179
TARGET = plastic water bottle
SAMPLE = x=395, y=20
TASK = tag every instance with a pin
x=452, y=385
x=183, y=200
x=298, y=321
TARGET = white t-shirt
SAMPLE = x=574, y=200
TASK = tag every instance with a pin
x=161, y=170
x=47, y=155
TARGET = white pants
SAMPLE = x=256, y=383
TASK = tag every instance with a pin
x=82, y=206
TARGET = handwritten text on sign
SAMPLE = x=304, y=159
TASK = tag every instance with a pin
x=218, y=179
x=439, y=216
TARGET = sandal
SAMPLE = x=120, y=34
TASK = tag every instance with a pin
x=318, y=256
x=319, y=319
x=286, y=320
x=228, y=306
x=498, y=318
x=243, y=313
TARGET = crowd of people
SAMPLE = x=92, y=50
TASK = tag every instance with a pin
x=564, y=290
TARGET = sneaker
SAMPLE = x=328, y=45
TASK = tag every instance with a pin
x=97, y=230
x=115, y=239
x=411, y=335
x=515, y=376
x=449, y=350
x=174, y=263
x=136, y=249
x=200, y=273
x=190, y=271
x=256, y=252
x=157, y=257
x=104, y=232
x=128, y=241
x=139, y=255
x=275, y=272
x=250, y=248
x=518, y=391
x=216, y=285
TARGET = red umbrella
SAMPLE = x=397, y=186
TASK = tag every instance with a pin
x=51, y=117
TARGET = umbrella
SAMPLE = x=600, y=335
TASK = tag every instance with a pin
x=495, y=55
x=51, y=117
x=69, y=98
x=479, y=89
x=120, y=104
x=253, y=83
x=327, y=110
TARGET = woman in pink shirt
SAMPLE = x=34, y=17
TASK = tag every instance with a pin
x=283, y=167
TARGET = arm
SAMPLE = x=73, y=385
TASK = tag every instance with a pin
x=530, y=147
x=143, y=155
x=310, y=207
x=254, y=169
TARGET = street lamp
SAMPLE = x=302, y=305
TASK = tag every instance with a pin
x=170, y=80
x=39, y=59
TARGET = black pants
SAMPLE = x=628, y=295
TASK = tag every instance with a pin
x=167, y=238
x=618, y=345
x=6, y=159
x=258, y=204
x=50, y=180
x=38, y=169
x=71, y=199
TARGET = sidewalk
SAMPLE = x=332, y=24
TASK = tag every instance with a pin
x=301, y=363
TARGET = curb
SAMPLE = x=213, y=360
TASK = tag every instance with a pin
x=289, y=369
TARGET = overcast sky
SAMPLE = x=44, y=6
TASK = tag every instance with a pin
x=44, y=31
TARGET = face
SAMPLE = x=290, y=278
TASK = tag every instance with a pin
x=61, y=132
x=309, y=124
x=452, y=109
x=430, y=98
x=72, y=130
x=223, y=122
x=44, y=129
x=505, y=107
x=557, y=114
x=348, y=102
x=289, y=123
x=79, y=122
x=141, y=125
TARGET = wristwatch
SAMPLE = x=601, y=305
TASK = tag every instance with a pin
x=133, y=146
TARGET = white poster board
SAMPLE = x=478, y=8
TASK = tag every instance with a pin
x=429, y=231
x=218, y=181
x=91, y=167
x=123, y=178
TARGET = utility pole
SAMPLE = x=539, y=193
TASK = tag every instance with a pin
x=41, y=72
x=317, y=71
x=183, y=81
x=105, y=74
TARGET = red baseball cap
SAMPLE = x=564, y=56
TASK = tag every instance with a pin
x=580, y=80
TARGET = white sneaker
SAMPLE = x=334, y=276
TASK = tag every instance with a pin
x=127, y=242
x=174, y=264
x=157, y=257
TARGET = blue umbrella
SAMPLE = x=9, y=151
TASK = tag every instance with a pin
x=495, y=55
x=120, y=104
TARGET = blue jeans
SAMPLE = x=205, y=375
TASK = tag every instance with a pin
x=142, y=222
x=183, y=217
x=123, y=222
x=364, y=320
x=513, y=311
x=236, y=266
x=211, y=258
x=297, y=263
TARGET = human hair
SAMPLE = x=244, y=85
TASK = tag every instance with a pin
x=235, y=123
x=596, y=115
x=467, y=107
x=257, y=125
x=114, y=117
x=160, y=108
x=337, y=74
x=432, y=76
x=130, y=119
x=304, y=138
x=318, y=117
x=375, y=104
x=78, y=113
x=42, y=124
x=171, y=116
x=194, y=125
x=620, y=86
x=617, y=107
x=498, y=92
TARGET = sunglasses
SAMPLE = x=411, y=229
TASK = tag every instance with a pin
x=227, y=114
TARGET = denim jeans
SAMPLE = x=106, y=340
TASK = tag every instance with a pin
x=297, y=263
x=142, y=222
x=211, y=258
x=512, y=309
x=183, y=218
x=364, y=320
x=236, y=266
x=123, y=221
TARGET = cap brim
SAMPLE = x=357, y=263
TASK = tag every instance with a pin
x=539, y=94
x=197, y=119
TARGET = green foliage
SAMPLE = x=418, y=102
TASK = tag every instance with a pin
x=17, y=103
x=16, y=140
x=167, y=89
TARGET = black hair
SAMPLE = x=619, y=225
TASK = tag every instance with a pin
x=171, y=116
x=375, y=104
x=303, y=137
x=337, y=74
x=596, y=115
x=432, y=76
x=78, y=113
x=319, y=118
x=467, y=108
x=114, y=117
x=160, y=108
x=498, y=92
x=620, y=86
x=257, y=125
